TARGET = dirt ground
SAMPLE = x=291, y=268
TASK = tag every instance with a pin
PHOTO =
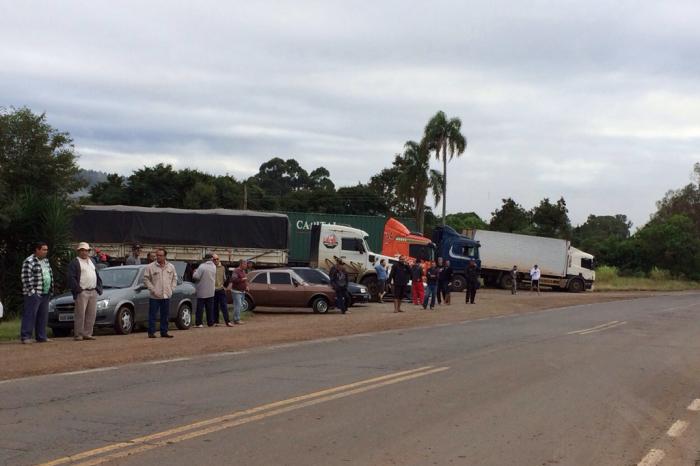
x=273, y=326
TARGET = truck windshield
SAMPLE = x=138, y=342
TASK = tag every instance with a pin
x=424, y=252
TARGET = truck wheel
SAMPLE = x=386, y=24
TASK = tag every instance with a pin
x=459, y=283
x=372, y=288
x=506, y=282
x=60, y=332
x=124, y=321
x=184, y=317
x=577, y=285
x=320, y=305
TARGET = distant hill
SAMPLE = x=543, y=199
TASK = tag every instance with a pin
x=92, y=177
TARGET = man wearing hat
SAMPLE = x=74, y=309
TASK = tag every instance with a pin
x=85, y=285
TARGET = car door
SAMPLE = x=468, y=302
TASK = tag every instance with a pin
x=140, y=299
x=259, y=289
x=282, y=290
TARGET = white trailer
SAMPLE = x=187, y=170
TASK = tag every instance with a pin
x=562, y=266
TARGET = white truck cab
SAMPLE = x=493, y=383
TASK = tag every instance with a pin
x=581, y=264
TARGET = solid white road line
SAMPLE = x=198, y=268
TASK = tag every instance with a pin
x=653, y=458
x=165, y=361
x=677, y=429
x=604, y=328
x=695, y=405
x=593, y=328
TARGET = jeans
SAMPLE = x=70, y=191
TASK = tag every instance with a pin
x=341, y=299
x=35, y=317
x=431, y=293
x=156, y=307
x=203, y=303
x=238, y=297
x=220, y=304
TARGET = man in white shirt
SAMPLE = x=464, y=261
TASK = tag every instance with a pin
x=535, y=279
x=85, y=285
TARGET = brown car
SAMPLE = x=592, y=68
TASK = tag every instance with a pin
x=284, y=288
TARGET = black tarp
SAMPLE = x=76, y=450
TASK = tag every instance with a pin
x=215, y=227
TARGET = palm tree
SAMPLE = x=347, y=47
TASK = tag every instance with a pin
x=416, y=178
x=443, y=136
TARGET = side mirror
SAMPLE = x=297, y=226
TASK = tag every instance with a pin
x=141, y=287
x=296, y=283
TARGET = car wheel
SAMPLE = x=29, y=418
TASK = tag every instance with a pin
x=124, y=321
x=184, y=317
x=576, y=285
x=459, y=283
x=60, y=332
x=248, y=304
x=320, y=305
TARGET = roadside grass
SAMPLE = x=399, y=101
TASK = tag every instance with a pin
x=609, y=279
x=9, y=329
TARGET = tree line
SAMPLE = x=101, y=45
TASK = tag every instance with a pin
x=39, y=176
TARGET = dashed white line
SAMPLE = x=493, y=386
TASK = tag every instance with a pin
x=604, y=328
x=695, y=405
x=677, y=429
x=87, y=371
x=593, y=328
x=165, y=361
x=653, y=458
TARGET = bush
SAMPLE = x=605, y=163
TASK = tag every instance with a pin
x=658, y=274
x=606, y=274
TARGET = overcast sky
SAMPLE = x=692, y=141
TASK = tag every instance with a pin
x=595, y=101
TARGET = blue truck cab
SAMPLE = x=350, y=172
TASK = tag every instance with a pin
x=459, y=250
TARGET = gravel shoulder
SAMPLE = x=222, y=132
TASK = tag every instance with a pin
x=275, y=326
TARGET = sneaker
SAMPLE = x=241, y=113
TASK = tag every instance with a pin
x=229, y=324
x=28, y=341
x=167, y=335
x=199, y=326
x=89, y=337
x=78, y=338
x=151, y=335
x=48, y=340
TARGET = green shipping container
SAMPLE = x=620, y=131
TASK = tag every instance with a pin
x=300, y=225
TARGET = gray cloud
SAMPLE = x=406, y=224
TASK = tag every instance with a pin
x=597, y=101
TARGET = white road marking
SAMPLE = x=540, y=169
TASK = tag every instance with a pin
x=165, y=361
x=604, y=328
x=88, y=371
x=695, y=405
x=593, y=328
x=653, y=458
x=677, y=429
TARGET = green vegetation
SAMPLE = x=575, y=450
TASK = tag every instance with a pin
x=608, y=278
x=9, y=329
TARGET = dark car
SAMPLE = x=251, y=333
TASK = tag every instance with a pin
x=358, y=293
x=285, y=288
x=124, y=302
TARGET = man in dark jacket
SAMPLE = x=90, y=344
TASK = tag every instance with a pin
x=399, y=277
x=339, y=282
x=472, y=276
x=431, y=276
x=444, y=282
x=85, y=284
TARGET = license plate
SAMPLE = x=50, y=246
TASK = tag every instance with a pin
x=66, y=317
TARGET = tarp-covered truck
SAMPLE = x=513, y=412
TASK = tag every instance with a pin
x=186, y=234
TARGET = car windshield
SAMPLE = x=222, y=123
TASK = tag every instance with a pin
x=117, y=277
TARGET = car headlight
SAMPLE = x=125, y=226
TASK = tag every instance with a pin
x=52, y=306
x=363, y=290
x=102, y=304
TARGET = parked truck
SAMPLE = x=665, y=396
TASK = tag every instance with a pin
x=562, y=266
x=399, y=240
x=186, y=234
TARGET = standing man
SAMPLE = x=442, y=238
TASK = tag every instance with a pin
x=85, y=284
x=205, y=284
x=440, y=267
x=472, y=277
x=431, y=275
x=381, y=279
x=37, y=280
x=417, y=288
x=220, y=303
x=160, y=278
x=399, y=277
x=134, y=258
x=339, y=282
x=535, y=273
x=444, y=282
x=514, y=277
x=238, y=285
x=150, y=257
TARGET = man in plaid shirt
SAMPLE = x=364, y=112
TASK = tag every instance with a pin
x=37, y=281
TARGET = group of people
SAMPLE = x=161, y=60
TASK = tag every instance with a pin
x=212, y=282
x=535, y=274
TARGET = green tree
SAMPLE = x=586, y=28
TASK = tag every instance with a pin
x=444, y=137
x=385, y=185
x=684, y=201
x=510, y=218
x=551, y=220
x=112, y=191
x=416, y=178
x=671, y=244
x=155, y=187
x=600, y=234
x=466, y=221
x=201, y=196
x=359, y=200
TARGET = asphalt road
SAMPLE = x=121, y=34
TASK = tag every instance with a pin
x=601, y=384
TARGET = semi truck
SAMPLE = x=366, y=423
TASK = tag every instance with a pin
x=562, y=266
x=399, y=240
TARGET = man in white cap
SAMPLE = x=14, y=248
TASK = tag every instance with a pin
x=85, y=285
